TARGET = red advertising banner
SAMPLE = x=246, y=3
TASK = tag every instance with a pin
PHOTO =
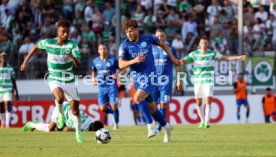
x=41, y=110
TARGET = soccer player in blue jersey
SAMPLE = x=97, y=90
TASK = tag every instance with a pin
x=104, y=75
x=136, y=52
x=164, y=71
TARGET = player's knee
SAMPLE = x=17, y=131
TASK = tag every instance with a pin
x=60, y=98
x=103, y=108
x=114, y=107
x=152, y=107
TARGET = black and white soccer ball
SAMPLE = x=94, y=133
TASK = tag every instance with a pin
x=103, y=136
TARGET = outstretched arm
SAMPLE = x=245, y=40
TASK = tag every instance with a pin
x=230, y=58
x=169, y=52
x=30, y=54
x=76, y=61
x=15, y=88
x=125, y=63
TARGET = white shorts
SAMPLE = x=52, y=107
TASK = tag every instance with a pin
x=70, y=89
x=203, y=90
x=6, y=97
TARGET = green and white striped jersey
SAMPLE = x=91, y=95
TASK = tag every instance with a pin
x=68, y=115
x=6, y=76
x=60, y=66
x=204, y=66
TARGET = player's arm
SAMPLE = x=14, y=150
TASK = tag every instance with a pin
x=169, y=52
x=123, y=71
x=67, y=129
x=30, y=54
x=230, y=58
x=76, y=61
x=126, y=63
x=15, y=88
x=94, y=77
x=75, y=55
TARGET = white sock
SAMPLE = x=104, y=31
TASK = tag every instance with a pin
x=40, y=126
x=59, y=107
x=151, y=125
x=77, y=123
x=200, y=113
x=207, y=113
x=8, y=119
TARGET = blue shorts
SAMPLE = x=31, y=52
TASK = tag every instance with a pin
x=108, y=94
x=242, y=102
x=149, y=88
x=164, y=93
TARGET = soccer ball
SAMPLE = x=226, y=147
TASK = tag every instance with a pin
x=103, y=136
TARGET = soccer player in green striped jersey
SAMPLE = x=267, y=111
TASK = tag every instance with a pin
x=204, y=69
x=62, y=54
x=7, y=85
x=87, y=123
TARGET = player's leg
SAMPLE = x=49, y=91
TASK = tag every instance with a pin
x=2, y=114
x=7, y=105
x=207, y=111
x=139, y=98
x=165, y=99
x=113, y=100
x=208, y=93
x=71, y=94
x=45, y=127
x=267, y=118
x=238, y=102
x=247, y=109
x=58, y=92
x=198, y=97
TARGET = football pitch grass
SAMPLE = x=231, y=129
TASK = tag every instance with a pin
x=219, y=140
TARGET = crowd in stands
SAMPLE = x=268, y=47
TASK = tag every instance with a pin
x=25, y=22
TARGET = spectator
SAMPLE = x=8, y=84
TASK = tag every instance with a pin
x=178, y=45
x=170, y=31
x=249, y=15
x=213, y=10
x=48, y=9
x=185, y=6
x=109, y=12
x=160, y=20
x=107, y=32
x=262, y=14
x=88, y=36
x=79, y=6
x=47, y=30
x=146, y=4
x=220, y=40
x=68, y=9
x=23, y=51
x=7, y=20
x=139, y=16
x=149, y=22
x=97, y=20
x=269, y=105
x=173, y=17
x=189, y=26
x=75, y=36
x=3, y=7
x=88, y=12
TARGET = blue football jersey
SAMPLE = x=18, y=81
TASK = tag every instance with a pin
x=163, y=63
x=105, y=70
x=129, y=50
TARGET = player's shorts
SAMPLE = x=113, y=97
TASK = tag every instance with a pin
x=5, y=97
x=135, y=107
x=242, y=102
x=147, y=87
x=164, y=93
x=203, y=90
x=54, y=116
x=70, y=89
x=107, y=95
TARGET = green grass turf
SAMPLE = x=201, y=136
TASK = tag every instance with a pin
x=219, y=140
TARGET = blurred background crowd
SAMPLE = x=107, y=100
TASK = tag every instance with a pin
x=25, y=22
